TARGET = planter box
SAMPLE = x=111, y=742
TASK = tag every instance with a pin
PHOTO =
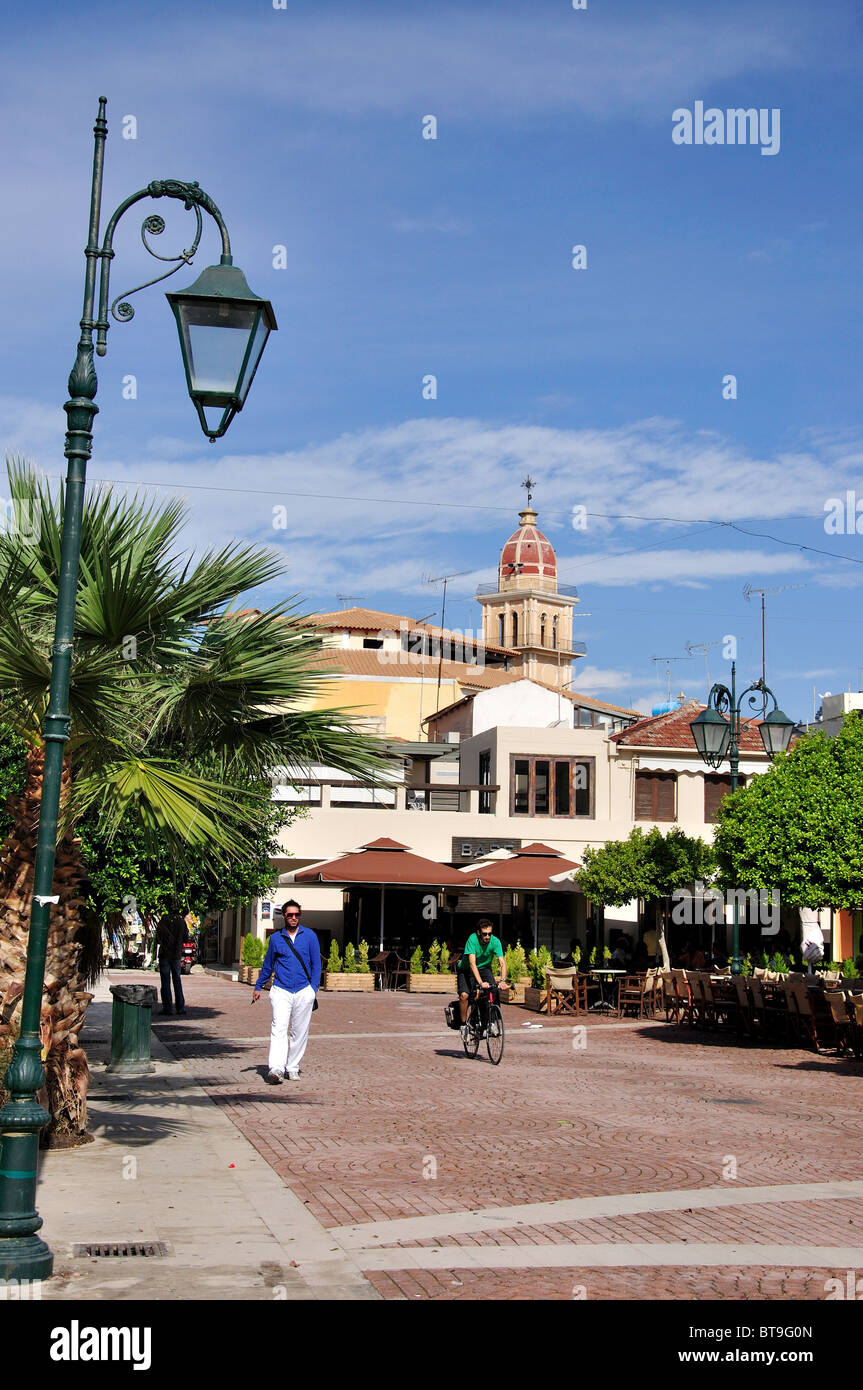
x=248, y=974
x=432, y=984
x=516, y=991
x=535, y=999
x=342, y=980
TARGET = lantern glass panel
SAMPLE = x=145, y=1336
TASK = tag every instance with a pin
x=215, y=337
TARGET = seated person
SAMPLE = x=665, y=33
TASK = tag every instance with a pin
x=474, y=968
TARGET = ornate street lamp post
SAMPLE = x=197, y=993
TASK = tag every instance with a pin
x=223, y=331
x=717, y=737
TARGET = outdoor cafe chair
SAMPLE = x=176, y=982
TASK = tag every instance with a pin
x=856, y=1007
x=686, y=1005
x=745, y=1019
x=653, y=990
x=842, y=1020
x=380, y=968
x=697, y=1010
x=755, y=987
x=563, y=992
x=637, y=992
x=670, y=1000
x=802, y=1012
x=400, y=970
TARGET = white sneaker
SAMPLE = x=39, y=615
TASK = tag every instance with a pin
x=293, y=1076
x=464, y=1032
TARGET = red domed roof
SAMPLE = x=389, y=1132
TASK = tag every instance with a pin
x=528, y=554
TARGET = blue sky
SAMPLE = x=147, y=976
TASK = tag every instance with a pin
x=452, y=256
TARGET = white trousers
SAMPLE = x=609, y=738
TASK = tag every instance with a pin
x=292, y=1013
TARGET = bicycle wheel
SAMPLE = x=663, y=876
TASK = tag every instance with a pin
x=471, y=1042
x=494, y=1035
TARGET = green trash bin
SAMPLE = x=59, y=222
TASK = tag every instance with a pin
x=130, y=1030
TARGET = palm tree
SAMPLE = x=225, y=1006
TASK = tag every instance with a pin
x=168, y=676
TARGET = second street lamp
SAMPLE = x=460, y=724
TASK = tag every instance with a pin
x=717, y=737
x=223, y=331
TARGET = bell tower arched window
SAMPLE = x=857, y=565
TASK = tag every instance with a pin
x=515, y=629
x=554, y=633
x=501, y=635
x=542, y=630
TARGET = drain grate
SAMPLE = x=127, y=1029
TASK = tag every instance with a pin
x=109, y=1248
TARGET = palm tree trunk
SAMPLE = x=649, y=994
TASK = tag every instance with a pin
x=64, y=999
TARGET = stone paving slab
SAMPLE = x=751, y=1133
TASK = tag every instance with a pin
x=168, y=1165
x=591, y=1158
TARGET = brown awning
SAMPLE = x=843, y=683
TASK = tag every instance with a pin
x=529, y=870
x=384, y=862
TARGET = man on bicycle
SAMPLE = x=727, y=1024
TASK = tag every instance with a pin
x=474, y=968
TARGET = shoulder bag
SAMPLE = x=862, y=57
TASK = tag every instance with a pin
x=302, y=966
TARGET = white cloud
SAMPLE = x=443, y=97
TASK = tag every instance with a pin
x=374, y=510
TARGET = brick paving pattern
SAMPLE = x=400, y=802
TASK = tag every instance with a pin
x=387, y=1096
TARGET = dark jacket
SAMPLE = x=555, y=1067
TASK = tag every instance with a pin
x=171, y=934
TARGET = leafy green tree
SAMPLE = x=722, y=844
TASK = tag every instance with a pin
x=334, y=960
x=350, y=965
x=13, y=772
x=648, y=866
x=416, y=962
x=799, y=826
x=433, y=966
x=183, y=701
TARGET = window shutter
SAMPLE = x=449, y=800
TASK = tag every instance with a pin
x=666, y=782
x=643, y=796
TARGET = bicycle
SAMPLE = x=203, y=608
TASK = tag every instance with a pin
x=484, y=1020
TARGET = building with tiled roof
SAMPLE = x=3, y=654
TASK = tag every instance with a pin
x=672, y=730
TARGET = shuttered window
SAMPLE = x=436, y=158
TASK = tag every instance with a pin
x=655, y=795
x=715, y=788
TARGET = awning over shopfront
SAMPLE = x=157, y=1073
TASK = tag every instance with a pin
x=536, y=868
x=383, y=863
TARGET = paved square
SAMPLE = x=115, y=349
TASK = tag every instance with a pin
x=651, y=1162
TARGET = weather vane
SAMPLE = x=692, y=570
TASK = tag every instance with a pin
x=528, y=484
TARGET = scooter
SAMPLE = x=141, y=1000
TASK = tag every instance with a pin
x=189, y=957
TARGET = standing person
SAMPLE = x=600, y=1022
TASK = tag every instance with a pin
x=474, y=968
x=294, y=960
x=171, y=935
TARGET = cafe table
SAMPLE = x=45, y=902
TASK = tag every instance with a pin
x=607, y=975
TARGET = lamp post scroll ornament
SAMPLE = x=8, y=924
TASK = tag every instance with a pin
x=223, y=330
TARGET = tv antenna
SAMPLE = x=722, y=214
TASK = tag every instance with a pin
x=667, y=660
x=346, y=598
x=748, y=591
x=443, y=579
x=704, y=647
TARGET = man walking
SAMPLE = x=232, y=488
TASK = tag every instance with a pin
x=171, y=934
x=294, y=960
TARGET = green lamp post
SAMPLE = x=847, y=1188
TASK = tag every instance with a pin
x=717, y=737
x=223, y=331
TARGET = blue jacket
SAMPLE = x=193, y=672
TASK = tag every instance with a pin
x=282, y=964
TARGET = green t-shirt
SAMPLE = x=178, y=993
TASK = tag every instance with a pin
x=484, y=954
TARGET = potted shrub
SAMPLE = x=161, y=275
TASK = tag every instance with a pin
x=355, y=974
x=252, y=958
x=535, y=995
x=516, y=973
x=432, y=980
